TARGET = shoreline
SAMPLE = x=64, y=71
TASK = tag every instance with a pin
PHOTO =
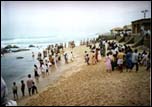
x=73, y=68
x=64, y=72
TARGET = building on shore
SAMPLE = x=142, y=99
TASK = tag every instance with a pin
x=141, y=25
x=127, y=29
x=116, y=31
x=141, y=32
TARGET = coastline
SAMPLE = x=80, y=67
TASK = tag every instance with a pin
x=80, y=84
x=57, y=75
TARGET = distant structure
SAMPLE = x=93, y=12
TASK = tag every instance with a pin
x=116, y=31
x=141, y=25
x=144, y=11
x=127, y=29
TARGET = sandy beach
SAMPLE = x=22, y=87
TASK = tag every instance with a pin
x=81, y=84
x=76, y=53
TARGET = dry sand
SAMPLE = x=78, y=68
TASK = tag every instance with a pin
x=92, y=85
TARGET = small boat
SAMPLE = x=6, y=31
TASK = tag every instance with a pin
x=19, y=57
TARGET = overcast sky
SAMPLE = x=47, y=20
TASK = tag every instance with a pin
x=65, y=18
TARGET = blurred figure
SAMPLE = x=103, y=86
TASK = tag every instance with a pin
x=87, y=59
x=14, y=88
x=34, y=88
x=29, y=84
x=23, y=87
x=4, y=95
x=33, y=54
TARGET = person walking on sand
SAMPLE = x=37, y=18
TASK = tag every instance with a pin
x=49, y=64
x=85, y=55
x=143, y=61
x=71, y=56
x=108, y=63
x=128, y=59
x=135, y=59
x=34, y=88
x=94, y=61
x=43, y=70
x=100, y=45
x=23, y=88
x=87, y=59
x=96, y=54
x=36, y=75
x=120, y=57
x=47, y=69
x=41, y=62
x=112, y=61
x=29, y=84
x=65, y=58
x=14, y=88
x=55, y=60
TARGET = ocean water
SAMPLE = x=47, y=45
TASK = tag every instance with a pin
x=14, y=70
x=37, y=41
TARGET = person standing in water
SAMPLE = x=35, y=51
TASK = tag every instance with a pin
x=36, y=75
x=33, y=55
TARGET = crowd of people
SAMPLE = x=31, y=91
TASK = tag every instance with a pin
x=118, y=56
x=47, y=59
x=32, y=88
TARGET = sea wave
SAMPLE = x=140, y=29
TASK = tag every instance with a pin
x=25, y=42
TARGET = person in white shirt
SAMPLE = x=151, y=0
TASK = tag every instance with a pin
x=15, y=88
x=135, y=59
x=43, y=70
x=113, y=51
x=103, y=42
x=55, y=61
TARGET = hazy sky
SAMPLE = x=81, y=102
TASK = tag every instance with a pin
x=67, y=19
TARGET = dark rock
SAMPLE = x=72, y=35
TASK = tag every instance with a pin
x=19, y=57
x=31, y=46
x=11, y=46
x=3, y=51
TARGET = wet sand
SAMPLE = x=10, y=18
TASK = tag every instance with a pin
x=80, y=84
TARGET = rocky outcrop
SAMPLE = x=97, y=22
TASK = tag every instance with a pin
x=31, y=46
